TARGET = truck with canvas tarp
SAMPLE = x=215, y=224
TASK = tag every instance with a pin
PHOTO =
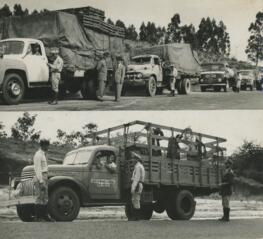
x=79, y=39
x=151, y=68
x=180, y=164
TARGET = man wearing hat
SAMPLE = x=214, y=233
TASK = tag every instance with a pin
x=137, y=185
x=227, y=189
x=119, y=74
x=41, y=181
x=102, y=74
x=56, y=69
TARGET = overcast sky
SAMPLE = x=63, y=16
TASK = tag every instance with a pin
x=236, y=14
x=235, y=126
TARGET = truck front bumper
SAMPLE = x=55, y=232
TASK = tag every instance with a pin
x=135, y=82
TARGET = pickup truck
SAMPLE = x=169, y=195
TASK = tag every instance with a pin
x=216, y=76
x=172, y=180
x=21, y=70
x=151, y=68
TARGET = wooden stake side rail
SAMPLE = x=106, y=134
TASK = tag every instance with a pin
x=177, y=173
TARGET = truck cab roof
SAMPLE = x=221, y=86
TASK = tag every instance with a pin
x=22, y=39
x=95, y=148
x=146, y=55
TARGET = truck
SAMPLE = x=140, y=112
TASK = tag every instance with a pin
x=248, y=79
x=79, y=35
x=216, y=76
x=173, y=178
x=149, y=68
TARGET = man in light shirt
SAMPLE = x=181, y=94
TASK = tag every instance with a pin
x=137, y=185
x=41, y=181
x=56, y=69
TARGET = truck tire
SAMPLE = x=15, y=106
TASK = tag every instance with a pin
x=217, y=88
x=63, y=204
x=203, y=88
x=226, y=87
x=185, y=86
x=13, y=89
x=151, y=87
x=26, y=212
x=251, y=87
x=181, y=206
x=146, y=212
x=159, y=207
x=88, y=90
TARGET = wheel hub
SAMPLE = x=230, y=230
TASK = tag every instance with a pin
x=15, y=89
x=65, y=204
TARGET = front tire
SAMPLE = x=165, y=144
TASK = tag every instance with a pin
x=64, y=204
x=13, y=89
x=146, y=212
x=26, y=212
x=151, y=87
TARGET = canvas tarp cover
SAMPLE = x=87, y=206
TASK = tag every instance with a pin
x=179, y=54
x=54, y=29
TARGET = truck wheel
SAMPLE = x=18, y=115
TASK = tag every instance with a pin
x=203, y=88
x=159, y=207
x=251, y=87
x=217, y=88
x=146, y=212
x=13, y=89
x=185, y=86
x=64, y=204
x=226, y=87
x=88, y=89
x=181, y=206
x=26, y=212
x=151, y=87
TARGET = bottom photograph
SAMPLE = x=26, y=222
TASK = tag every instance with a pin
x=133, y=166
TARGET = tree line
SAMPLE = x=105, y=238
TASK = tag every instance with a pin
x=211, y=39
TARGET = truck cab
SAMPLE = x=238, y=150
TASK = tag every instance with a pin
x=146, y=71
x=216, y=76
x=21, y=68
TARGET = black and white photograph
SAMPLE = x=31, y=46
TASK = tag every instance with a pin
x=127, y=119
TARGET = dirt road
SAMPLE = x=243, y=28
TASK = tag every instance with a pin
x=195, y=101
x=110, y=222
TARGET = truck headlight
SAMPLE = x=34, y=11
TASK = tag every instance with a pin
x=219, y=79
x=201, y=80
x=139, y=76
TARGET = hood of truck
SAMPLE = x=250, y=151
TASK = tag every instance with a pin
x=139, y=68
x=53, y=170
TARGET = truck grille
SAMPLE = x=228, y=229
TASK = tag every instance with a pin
x=27, y=175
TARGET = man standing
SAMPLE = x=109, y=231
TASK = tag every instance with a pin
x=119, y=74
x=102, y=75
x=56, y=69
x=226, y=189
x=41, y=181
x=137, y=185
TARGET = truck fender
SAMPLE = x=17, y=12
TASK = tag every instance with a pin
x=76, y=185
x=13, y=66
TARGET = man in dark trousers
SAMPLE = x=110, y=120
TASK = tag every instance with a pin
x=119, y=74
x=102, y=74
x=227, y=189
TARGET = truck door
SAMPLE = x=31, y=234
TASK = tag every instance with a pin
x=36, y=63
x=103, y=180
x=158, y=69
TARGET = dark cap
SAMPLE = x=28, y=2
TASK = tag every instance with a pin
x=119, y=58
x=44, y=142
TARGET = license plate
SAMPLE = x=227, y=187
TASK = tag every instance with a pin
x=79, y=73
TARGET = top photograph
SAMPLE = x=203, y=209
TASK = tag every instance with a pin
x=131, y=55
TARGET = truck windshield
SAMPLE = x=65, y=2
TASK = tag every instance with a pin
x=213, y=67
x=245, y=73
x=141, y=60
x=12, y=47
x=76, y=158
